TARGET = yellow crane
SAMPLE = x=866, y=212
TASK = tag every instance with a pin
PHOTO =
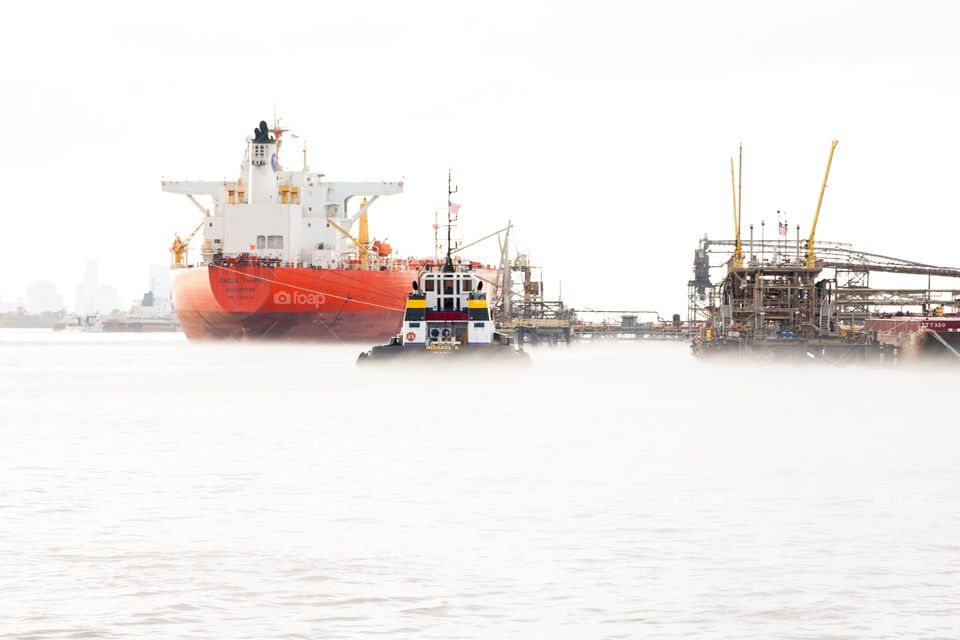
x=363, y=241
x=811, y=256
x=179, y=247
x=736, y=261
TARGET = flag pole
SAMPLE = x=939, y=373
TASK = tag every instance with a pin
x=436, y=238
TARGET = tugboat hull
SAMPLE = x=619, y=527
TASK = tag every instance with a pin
x=486, y=353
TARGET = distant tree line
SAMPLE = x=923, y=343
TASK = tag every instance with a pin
x=20, y=319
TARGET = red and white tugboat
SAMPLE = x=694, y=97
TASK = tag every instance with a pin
x=447, y=314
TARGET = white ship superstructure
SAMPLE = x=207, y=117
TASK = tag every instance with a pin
x=293, y=217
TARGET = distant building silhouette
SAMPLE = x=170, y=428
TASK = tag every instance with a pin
x=107, y=299
x=42, y=296
x=160, y=281
x=93, y=297
x=87, y=290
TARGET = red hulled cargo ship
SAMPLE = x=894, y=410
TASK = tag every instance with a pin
x=915, y=335
x=279, y=259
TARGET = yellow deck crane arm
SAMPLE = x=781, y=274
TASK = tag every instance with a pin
x=363, y=242
x=346, y=234
x=179, y=247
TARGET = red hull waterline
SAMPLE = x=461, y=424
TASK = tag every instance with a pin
x=290, y=303
x=915, y=335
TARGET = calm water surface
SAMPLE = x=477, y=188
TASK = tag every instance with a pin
x=155, y=489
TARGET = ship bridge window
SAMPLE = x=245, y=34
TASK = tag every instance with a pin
x=448, y=288
x=428, y=284
x=467, y=285
x=274, y=242
x=261, y=242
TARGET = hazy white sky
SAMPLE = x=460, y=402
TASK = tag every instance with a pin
x=603, y=130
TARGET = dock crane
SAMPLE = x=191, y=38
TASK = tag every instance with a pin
x=736, y=260
x=811, y=256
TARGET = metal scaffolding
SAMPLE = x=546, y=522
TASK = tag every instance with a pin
x=777, y=299
x=524, y=311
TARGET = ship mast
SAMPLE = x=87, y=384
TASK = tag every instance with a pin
x=448, y=263
x=278, y=132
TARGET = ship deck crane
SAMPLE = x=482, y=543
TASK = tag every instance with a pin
x=179, y=247
x=363, y=241
x=811, y=256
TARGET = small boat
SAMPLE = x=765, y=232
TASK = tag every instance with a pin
x=447, y=316
x=76, y=322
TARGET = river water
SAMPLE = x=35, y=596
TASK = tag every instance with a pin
x=151, y=488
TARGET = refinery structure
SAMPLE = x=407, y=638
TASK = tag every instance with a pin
x=802, y=298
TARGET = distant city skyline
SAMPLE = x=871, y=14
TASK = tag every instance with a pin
x=89, y=296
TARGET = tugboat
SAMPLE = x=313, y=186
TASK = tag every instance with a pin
x=447, y=314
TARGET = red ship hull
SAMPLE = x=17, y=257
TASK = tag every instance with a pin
x=253, y=302
x=917, y=335
x=289, y=303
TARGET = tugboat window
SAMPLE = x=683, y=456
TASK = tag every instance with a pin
x=467, y=286
x=428, y=285
x=448, y=286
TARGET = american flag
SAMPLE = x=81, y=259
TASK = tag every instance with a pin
x=783, y=229
x=454, y=209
